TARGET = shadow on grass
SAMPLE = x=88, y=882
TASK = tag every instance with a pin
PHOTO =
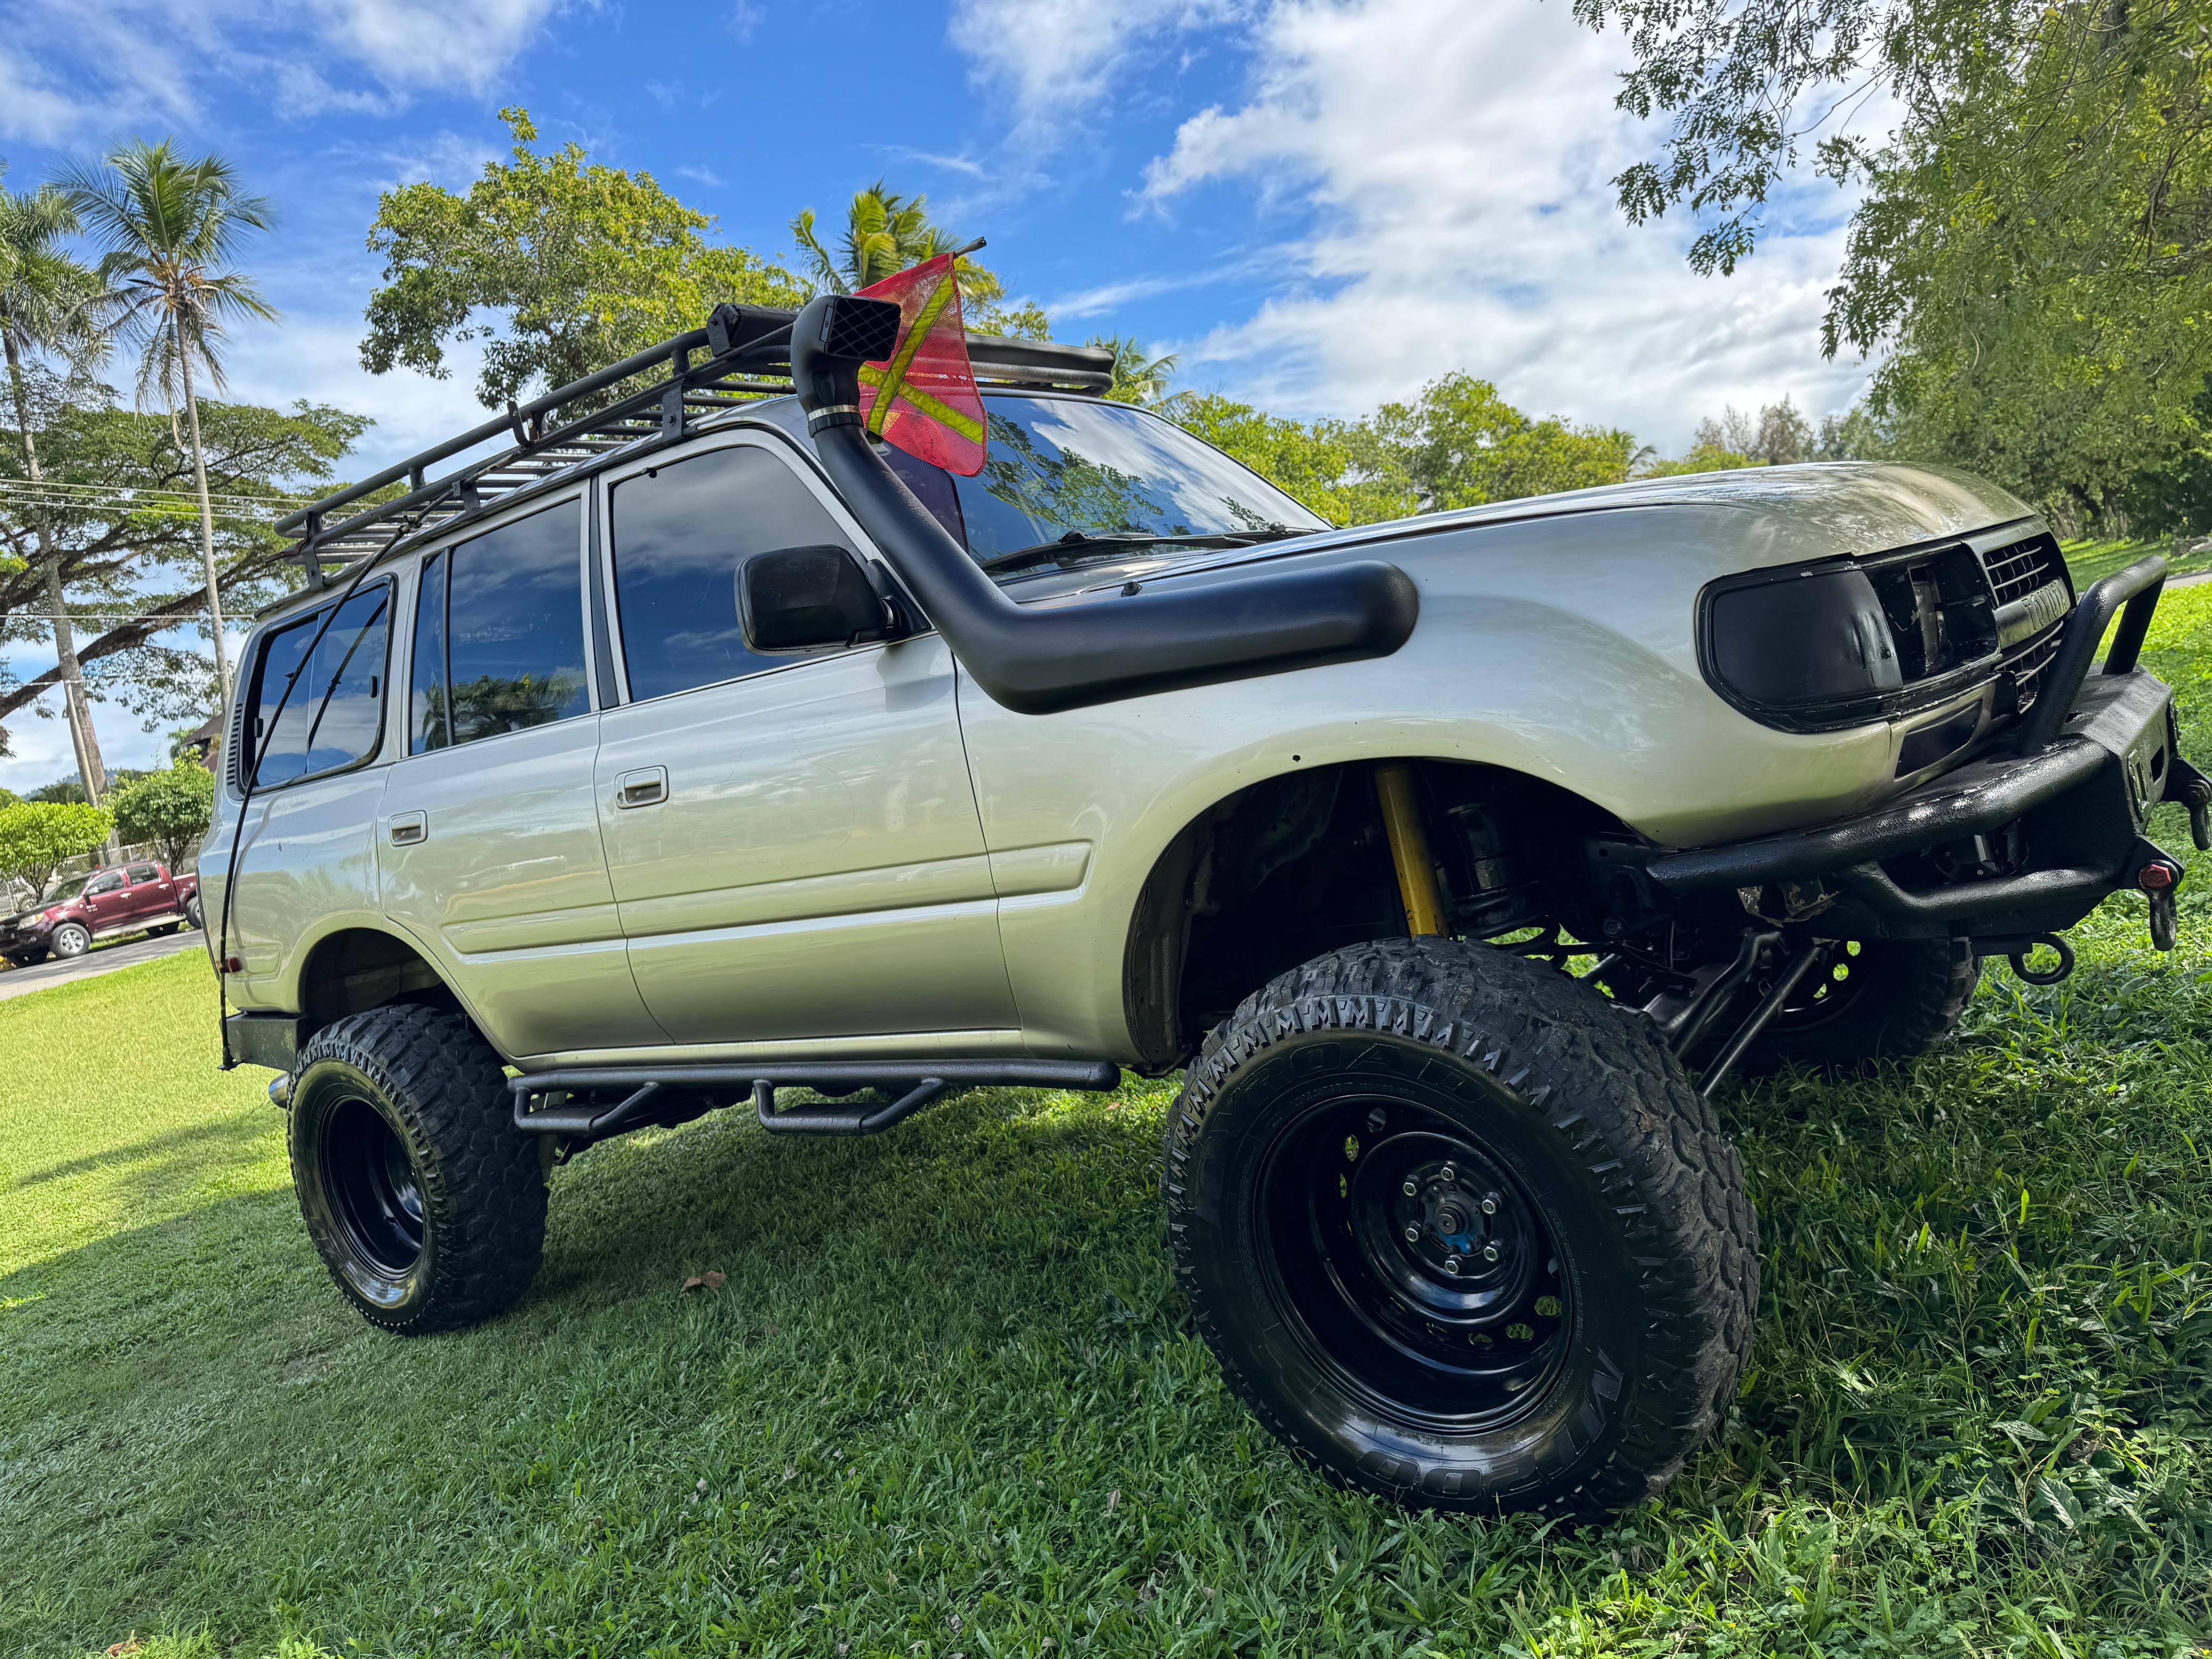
x=171, y=1154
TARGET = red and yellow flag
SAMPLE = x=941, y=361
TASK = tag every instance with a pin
x=923, y=399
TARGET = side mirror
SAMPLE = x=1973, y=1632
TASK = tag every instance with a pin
x=798, y=599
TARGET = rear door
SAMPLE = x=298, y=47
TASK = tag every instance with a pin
x=152, y=895
x=795, y=843
x=307, y=855
x=488, y=838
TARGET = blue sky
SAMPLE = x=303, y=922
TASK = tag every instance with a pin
x=1316, y=203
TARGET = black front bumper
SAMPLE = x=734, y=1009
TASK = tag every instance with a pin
x=2048, y=829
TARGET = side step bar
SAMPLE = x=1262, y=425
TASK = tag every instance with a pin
x=675, y=1094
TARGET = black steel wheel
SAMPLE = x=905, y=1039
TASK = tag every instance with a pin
x=1460, y=1232
x=426, y=1203
x=1424, y=1275
x=1870, y=1000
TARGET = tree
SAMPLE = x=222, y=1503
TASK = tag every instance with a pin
x=885, y=234
x=49, y=303
x=1776, y=435
x=1701, y=457
x=2034, y=239
x=37, y=838
x=128, y=543
x=2036, y=255
x=171, y=227
x=1751, y=83
x=558, y=266
x=1318, y=464
x=1138, y=378
x=1459, y=443
x=172, y=807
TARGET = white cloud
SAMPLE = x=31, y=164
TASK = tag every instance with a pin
x=1455, y=161
x=106, y=65
x=1057, y=58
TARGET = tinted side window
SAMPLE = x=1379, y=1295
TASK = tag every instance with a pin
x=515, y=627
x=680, y=532
x=144, y=873
x=101, y=884
x=426, y=697
x=332, y=717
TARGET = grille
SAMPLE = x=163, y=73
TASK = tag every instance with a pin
x=2022, y=567
x=2027, y=665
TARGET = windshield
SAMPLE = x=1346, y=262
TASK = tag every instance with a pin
x=65, y=890
x=1059, y=466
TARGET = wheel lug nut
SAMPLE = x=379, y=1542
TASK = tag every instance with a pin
x=1452, y=1264
x=1450, y=1172
x=1412, y=1234
x=1411, y=1188
x=1490, y=1204
x=1490, y=1253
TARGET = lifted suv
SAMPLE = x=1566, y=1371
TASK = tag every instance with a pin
x=701, y=748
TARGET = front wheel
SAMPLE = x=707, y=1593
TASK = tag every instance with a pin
x=1462, y=1233
x=69, y=939
x=1871, y=1000
x=427, y=1205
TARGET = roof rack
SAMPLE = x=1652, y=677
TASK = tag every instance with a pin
x=743, y=353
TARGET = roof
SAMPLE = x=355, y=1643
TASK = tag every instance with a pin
x=656, y=396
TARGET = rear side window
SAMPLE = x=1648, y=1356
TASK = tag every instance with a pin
x=499, y=634
x=679, y=533
x=336, y=708
x=143, y=872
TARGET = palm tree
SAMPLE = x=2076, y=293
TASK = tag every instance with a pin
x=885, y=234
x=1137, y=378
x=50, y=303
x=171, y=227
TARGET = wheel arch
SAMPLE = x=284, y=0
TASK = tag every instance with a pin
x=1190, y=915
x=356, y=967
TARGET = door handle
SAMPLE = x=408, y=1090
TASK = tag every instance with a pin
x=408, y=828
x=646, y=787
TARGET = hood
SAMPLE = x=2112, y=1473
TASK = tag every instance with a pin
x=1817, y=510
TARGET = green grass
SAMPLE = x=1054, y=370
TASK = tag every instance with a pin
x=2091, y=560
x=948, y=1400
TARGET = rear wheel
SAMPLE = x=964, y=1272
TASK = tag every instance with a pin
x=1870, y=1000
x=192, y=911
x=69, y=939
x=1460, y=1232
x=427, y=1205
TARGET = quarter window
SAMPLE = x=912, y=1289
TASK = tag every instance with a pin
x=499, y=634
x=336, y=707
x=679, y=533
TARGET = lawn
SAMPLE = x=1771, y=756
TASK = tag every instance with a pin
x=947, y=1400
x=2092, y=560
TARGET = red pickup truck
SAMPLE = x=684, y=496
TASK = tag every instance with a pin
x=125, y=898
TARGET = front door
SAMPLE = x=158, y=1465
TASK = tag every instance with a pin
x=794, y=841
x=488, y=839
x=107, y=902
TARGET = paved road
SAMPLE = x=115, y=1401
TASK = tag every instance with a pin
x=16, y=982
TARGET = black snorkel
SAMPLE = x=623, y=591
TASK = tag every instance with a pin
x=1037, y=662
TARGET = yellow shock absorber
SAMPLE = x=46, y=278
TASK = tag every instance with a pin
x=1409, y=848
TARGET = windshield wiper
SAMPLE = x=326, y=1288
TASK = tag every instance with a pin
x=1077, y=544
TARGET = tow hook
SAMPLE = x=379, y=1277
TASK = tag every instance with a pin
x=2158, y=878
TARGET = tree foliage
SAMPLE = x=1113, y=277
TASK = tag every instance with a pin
x=171, y=808
x=38, y=838
x=2039, y=253
x=1457, y=444
x=127, y=534
x=558, y=266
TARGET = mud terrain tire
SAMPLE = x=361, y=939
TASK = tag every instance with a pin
x=1880, y=1000
x=426, y=1204
x=1462, y=1078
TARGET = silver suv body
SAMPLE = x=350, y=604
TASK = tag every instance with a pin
x=741, y=752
